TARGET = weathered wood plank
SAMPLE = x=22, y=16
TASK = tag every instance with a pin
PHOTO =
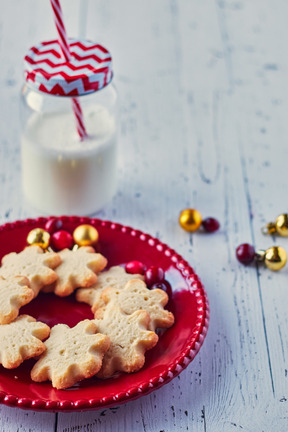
x=22, y=24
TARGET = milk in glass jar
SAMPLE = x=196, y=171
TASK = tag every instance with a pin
x=69, y=129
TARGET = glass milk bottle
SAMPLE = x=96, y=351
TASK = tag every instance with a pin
x=69, y=129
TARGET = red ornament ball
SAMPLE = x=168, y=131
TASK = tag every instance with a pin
x=153, y=275
x=61, y=240
x=53, y=225
x=245, y=253
x=210, y=224
x=165, y=286
x=135, y=267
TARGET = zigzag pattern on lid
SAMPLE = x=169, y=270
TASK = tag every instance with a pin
x=89, y=69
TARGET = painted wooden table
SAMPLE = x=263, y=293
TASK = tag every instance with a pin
x=203, y=108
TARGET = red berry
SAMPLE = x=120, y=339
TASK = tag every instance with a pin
x=164, y=285
x=245, y=253
x=210, y=224
x=61, y=240
x=153, y=275
x=135, y=267
x=53, y=225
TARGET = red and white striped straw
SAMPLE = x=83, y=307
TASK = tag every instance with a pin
x=64, y=45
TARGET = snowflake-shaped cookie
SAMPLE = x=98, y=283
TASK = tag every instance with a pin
x=114, y=277
x=21, y=340
x=78, y=269
x=14, y=293
x=136, y=296
x=129, y=339
x=33, y=263
x=72, y=354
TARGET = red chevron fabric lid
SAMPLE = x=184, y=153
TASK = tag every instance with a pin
x=89, y=70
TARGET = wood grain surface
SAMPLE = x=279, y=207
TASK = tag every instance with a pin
x=203, y=93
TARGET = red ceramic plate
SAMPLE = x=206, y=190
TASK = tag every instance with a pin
x=176, y=348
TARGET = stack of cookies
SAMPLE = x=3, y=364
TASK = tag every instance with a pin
x=127, y=315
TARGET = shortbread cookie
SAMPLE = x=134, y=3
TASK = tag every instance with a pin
x=14, y=293
x=33, y=263
x=21, y=340
x=129, y=339
x=114, y=277
x=78, y=269
x=136, y=296
x=72, y=354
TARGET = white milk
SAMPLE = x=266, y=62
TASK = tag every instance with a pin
x=61, y=174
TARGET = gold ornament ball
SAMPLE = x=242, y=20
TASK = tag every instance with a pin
x=282, y=225
x=190, y=220
x=85, y=235
x=38, y=237
x=275, y=258
x=270, y=228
